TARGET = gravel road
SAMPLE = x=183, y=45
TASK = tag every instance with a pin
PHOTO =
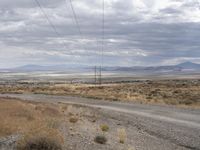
x=178, y=126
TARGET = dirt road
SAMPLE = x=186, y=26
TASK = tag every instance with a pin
x=177, y=126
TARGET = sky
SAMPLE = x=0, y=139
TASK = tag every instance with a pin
x=137, y=32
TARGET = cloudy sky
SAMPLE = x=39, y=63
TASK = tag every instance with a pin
x=137, y=32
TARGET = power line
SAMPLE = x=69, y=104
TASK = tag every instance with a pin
x=76, y=20
x=47, y=18
x=50, y=23
x=103, y=31
x=80, y=32
x=102, y=48
x=77, y=24
x=75, y=17
x=103, y=38
x=53, y=26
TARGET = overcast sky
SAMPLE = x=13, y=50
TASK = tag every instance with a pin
x=137, y=32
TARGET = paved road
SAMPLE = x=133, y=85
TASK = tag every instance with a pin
x=176, y=125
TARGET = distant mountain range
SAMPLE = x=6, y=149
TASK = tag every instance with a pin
x=56, y=68
x=183, y=67
x=189, y=65
x=186, y=66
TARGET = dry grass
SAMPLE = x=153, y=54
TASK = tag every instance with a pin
x=13, y=116
x=36, y=123
x=122, y=135
x=48, y=139
x=73, y=119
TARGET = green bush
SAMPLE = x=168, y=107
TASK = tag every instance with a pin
x=104, y=127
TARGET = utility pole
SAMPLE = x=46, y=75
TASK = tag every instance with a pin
x=95, y=75
x=100, y=75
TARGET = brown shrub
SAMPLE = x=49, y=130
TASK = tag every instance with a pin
x=43, y=139
x=39, y=143
x=73, y=119
x=100, y=139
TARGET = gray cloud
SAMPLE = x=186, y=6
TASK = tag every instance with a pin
x=170, y=11
x=147, y=32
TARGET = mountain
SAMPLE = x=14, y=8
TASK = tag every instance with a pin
x=186, y=66
x=183, y=67
x=189, y=65
x=54, y=68
x=31, y=68
x=144, y=69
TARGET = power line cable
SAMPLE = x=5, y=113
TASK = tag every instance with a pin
x=76, y=21
x=75, y=18
x=53, y=26
x=47, y=18
x=56, y=31
x=103, y=31
x=103, y=38
x=81, y=34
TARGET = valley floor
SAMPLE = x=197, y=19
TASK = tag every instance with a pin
x=184, y=93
